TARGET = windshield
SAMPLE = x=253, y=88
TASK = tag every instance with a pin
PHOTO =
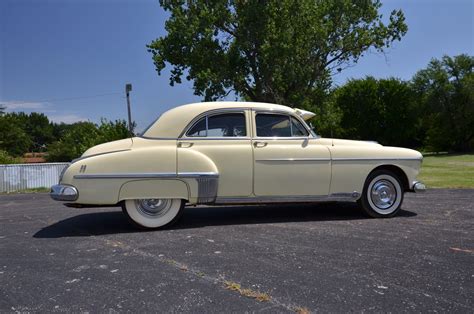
x=312, y=129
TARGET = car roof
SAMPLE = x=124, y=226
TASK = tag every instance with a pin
x=172, y=122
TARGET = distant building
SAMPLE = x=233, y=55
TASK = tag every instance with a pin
x=33, y=158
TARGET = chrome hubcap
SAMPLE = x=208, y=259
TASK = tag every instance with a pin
x=383, y=194
x=153, y=207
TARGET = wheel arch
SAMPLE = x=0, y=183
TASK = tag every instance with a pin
x=170, y=189
x=401, y=175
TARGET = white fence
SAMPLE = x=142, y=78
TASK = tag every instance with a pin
x=20, y=177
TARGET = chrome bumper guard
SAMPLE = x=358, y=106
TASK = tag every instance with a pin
x=418, y=187
x=61, y=192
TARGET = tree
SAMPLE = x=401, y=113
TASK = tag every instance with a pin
x=80, y=136
x=112, y=131
x=5, y=158
x=38, y=128
x=445, y=90
x=59, y=129
x=328, y=117
x=281, y=51
x=382, y=110
x=13, y=139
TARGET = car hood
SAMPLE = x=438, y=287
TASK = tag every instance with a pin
x=340, y=142
x=109, y=147
x=368, y=149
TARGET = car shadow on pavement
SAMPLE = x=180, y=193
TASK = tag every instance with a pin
x=113, y=222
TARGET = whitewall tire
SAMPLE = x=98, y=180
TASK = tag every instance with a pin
x=153, y=213
x=382, y=195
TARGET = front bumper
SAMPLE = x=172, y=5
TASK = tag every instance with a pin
x=60, y=192
x=418, y=187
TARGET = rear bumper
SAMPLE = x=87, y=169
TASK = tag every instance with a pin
x=60, y=192
x=418, y=187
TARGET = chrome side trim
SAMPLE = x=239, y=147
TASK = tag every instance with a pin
x=198, y=175
x=161, y=175
x=336, y=159
x=126, y=175
x=292, y=159
x=228, y=138
x=375, y=158
x=214, y=138
x=158, y=138
x=286, y=138
x=336, y=197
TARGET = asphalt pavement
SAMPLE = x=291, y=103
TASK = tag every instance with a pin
x=286, y=258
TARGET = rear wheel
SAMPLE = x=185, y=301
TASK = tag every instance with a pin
x=153, y=212
x=382, y=196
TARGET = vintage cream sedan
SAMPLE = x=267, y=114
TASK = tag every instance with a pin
x=236, y=153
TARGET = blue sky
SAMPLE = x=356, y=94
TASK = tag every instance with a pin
x=71, y=58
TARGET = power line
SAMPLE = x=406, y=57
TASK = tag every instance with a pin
x=66, y=99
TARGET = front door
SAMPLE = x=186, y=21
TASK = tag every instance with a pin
x=288, y=161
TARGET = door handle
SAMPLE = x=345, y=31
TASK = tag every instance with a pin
x=260, y=144
x=185, y=144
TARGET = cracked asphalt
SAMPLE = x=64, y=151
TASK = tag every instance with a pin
x=323, y=257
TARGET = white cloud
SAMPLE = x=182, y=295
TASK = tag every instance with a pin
x=66, y=118
x=42, y=107
x=23, y=105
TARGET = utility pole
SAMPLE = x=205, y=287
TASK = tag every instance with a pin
x=128, y=89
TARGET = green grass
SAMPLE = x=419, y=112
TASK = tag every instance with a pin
x=448, y=171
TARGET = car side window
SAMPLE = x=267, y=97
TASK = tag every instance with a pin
x=297, y=128
x=279, y=125
x=273, y=125
x=220, y=125
x=199, y=128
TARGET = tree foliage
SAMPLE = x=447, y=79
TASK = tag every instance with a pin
x=21, y=133
x=6, y=159
x=80, y=136
x=113, y=130
x=38, y=127
x=13, y=138
x=75, y=141
x=446, y=93
x=280, y=51
x=382, y=110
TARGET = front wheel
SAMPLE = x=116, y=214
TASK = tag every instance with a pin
x=382, y=196
x=153, y=212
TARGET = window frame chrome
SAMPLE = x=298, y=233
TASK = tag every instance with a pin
x=250, y=124
x=211, y=113
x=280, y=112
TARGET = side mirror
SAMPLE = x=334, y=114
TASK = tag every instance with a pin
x=305, y=142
